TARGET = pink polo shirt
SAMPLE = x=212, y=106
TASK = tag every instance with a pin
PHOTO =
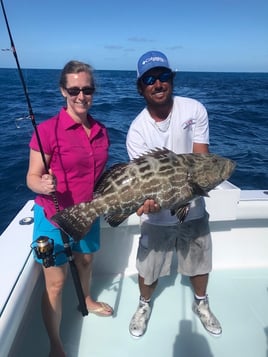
x=77, y=160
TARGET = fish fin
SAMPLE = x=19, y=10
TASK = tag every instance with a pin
x=156, y=153
x=73, y=220
x=115, y=220
x=181, y=212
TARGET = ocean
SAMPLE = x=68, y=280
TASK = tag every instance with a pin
x=237, y=105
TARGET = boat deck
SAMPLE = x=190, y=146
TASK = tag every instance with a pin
x=238, y=297
x=238, y=291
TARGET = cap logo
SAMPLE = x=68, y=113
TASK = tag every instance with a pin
x=149, y=60
x=153, y=59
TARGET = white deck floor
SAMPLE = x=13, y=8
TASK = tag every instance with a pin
x=238, y=291
x=239, y=298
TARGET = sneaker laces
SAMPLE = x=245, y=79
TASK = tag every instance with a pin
x=142, y=311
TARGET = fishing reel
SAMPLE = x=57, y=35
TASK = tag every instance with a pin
x=43, y=248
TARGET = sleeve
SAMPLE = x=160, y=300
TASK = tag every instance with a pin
x=201, y=129
x=135, y=143
x=44, y=140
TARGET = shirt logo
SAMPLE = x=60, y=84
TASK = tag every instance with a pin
x=188, y=124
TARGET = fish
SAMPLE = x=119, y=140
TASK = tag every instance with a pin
x=171, y=180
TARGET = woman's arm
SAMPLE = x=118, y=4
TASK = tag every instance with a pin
x=37, y=179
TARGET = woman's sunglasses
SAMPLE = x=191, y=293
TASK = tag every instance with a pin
x=74, y=91
x=163, y=77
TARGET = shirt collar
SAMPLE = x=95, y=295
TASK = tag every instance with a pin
x=69, y=123
x=67, y=120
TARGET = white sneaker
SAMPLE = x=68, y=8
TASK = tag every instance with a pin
x=207, y=318
x=138, y=323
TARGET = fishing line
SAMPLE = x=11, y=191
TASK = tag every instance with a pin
x=30, y=109
x=65, y=238
x=19, y=121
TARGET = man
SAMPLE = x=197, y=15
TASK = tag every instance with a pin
x=181, y=125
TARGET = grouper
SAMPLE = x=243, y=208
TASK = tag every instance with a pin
x=171, y=180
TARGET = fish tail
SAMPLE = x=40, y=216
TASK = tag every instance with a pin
x=76, y=221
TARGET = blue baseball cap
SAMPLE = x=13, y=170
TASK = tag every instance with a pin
x=151, y=59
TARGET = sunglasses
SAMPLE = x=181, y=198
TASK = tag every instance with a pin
x=74, y=91
x=163, y=77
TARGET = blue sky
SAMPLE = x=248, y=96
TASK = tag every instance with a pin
x=196, y=35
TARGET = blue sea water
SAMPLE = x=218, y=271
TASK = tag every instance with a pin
x=237, y=105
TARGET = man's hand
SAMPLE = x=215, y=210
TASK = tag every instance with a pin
x=149, y=206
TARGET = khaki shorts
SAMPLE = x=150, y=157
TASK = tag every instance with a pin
x=191, y=240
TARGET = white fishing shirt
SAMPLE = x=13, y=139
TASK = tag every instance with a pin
x=186, y=124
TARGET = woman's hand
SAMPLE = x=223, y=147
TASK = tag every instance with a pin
x=149, y=206
x=48, y=183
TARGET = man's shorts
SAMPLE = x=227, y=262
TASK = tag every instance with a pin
x=191, y=240
x=43, y=227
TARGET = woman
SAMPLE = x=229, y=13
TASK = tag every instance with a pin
x=76, y=151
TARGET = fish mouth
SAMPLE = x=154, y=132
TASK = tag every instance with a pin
x=227, y=170
x=231, y=165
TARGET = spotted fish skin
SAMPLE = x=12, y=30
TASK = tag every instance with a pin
x=172, y=180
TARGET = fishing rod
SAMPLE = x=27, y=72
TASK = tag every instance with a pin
x=65, y=238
